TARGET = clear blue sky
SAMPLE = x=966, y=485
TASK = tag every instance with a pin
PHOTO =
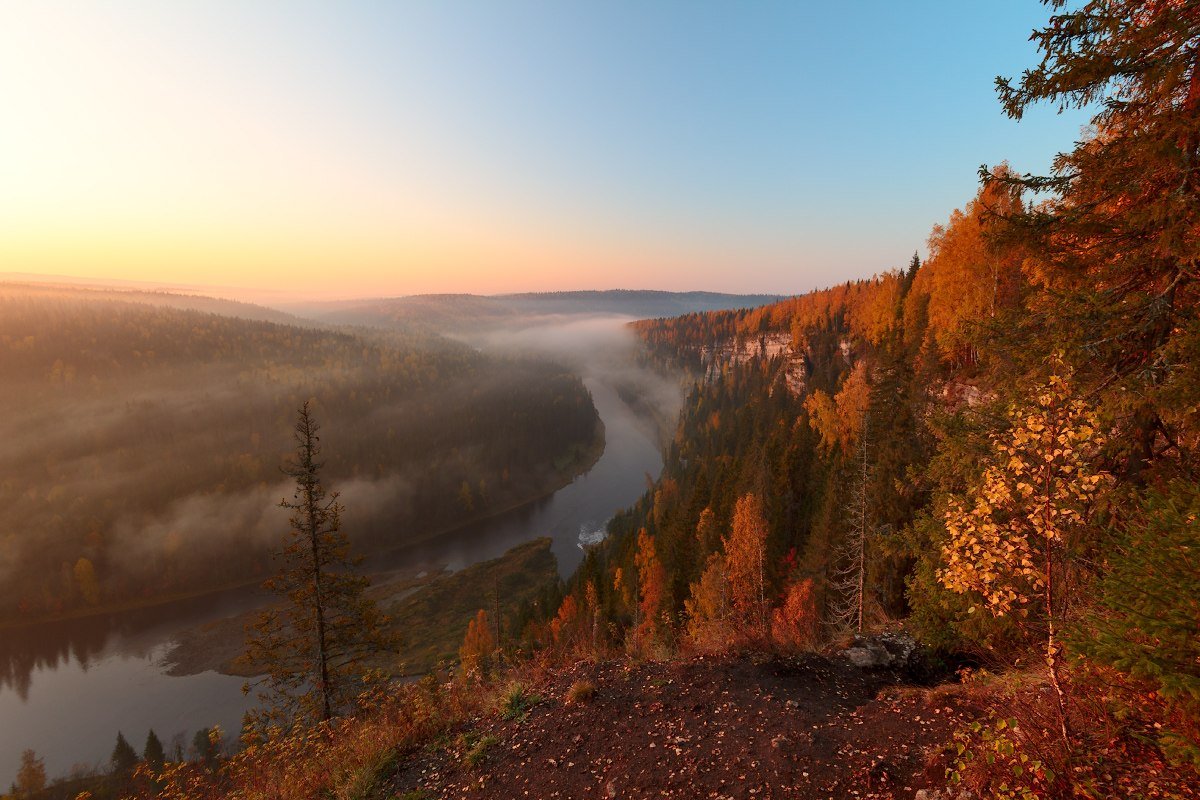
x=390, y=148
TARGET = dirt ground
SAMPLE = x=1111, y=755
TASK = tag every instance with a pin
x=810, y=727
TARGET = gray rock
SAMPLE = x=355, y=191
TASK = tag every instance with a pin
x=880, y=651
x=863, y=657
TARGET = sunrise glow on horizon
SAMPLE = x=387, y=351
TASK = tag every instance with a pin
x=355, y=149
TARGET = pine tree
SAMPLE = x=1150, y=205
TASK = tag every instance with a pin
x=314, y=645
x=1144, y=628
x=124, y=758
x=153, y=753
x=911, y=273
x=708, y=535
x=206, y=744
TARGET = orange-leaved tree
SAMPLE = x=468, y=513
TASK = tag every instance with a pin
x=1009, y=543
x=652, y=583
x=564, y=628
x=839, y=420
x=745, y=562
x=478, y=646
x=795, y=624
x=709, y=615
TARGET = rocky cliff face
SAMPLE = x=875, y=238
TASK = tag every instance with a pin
x=793, y=372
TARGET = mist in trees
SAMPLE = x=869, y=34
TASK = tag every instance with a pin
x=133, y=426
x=313, y=643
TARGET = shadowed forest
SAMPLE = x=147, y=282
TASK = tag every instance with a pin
x=146, y=440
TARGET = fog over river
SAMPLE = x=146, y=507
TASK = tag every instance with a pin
x=66, y=688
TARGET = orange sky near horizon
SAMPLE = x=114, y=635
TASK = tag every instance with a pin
x=350, y=150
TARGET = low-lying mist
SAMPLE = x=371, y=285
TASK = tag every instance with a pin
x=597, y=347
x=144, y=445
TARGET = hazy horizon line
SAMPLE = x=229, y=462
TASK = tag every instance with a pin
x=262, y=295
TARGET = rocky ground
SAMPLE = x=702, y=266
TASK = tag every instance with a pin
x=735, y=727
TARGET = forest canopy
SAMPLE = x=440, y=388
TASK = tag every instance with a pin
x=144, y=441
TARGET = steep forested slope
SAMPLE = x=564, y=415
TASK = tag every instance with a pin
x=994, y=448
x=143, y=442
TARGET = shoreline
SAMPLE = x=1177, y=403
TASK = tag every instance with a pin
x=581, y=464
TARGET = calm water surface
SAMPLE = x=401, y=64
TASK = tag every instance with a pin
x=67, y=688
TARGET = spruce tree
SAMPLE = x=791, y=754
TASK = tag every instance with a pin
x=124, y=757
x=314, y=644
x=205, y=744
x=1144, y=627
x=153, y=753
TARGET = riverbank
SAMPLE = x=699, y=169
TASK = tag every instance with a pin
x=429, y=608
x=565, y=469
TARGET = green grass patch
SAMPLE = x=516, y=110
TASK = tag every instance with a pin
x=516, y=701
x=433, y=619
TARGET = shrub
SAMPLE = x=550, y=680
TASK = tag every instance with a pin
x=581, y=692
x=516, y=701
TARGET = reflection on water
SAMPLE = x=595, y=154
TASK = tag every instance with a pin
x=66, y=688
x=128, y=634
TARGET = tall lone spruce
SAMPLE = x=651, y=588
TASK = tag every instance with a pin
x=314, y=644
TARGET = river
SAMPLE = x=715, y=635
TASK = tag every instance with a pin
x=67, y=688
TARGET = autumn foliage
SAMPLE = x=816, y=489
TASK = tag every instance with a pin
x=745, y=563
x=653, y=627
x=478, y=646
x=796, y=623
x=708, y=610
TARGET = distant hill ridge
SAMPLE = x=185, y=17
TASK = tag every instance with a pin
x=154, y=297
x=470, y=310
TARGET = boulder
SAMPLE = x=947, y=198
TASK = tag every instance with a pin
x=892, y=650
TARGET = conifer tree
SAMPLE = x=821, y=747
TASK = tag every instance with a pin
x=206, y=744
x=849, y=583
x=745, y=562
x=31, y=777
x=708, y=534
x=124, y=758
x=1145, y=626
x=153, y=753
x=314, y=644
x=1116, y=246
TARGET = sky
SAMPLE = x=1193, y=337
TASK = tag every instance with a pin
x=390, y=148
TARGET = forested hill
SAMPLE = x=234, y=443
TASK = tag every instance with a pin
x=468, y=312
x=144, y=442
x=995, y=448
x=166, y=299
